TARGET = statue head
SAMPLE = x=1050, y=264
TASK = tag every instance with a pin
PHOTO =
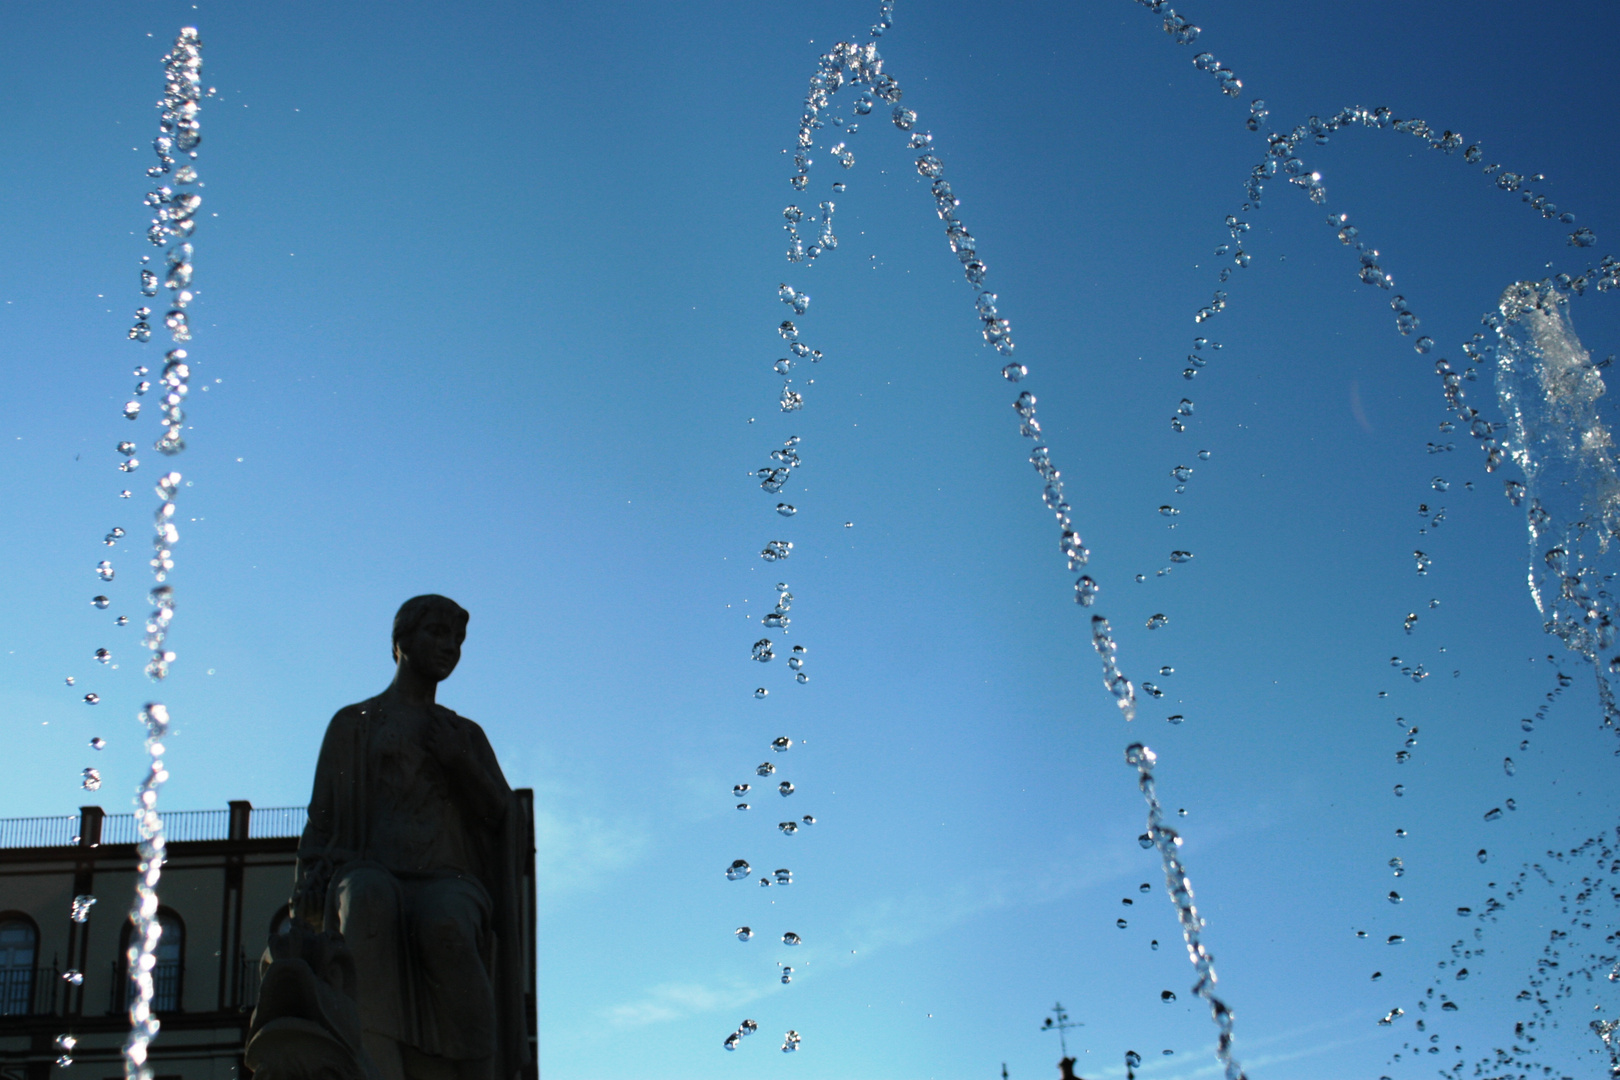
x=428, y=632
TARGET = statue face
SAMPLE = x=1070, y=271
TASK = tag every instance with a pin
x=433, y=649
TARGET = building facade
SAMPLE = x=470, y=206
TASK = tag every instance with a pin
x=225, y=886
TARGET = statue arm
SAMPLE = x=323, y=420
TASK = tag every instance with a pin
x=466, y=755
x=319, y=852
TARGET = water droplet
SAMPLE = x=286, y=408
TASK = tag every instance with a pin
x=1145, y=841
x=1085, y=592
x=786, y=509
x=1132, y=1058
x=788, y=827
x=784, y=876
x=1482, y=855
x=1120, y=923
x=100, y=602
x=764, y=768
x=1424, y=344
x=808, y=819
x=90, y=779
x=742, y=806
x=1156, y=621
x=790, y=938
x=762, y=651
x=1393, y=1014
x=1440, y=483
x=784, y=789
x=1511, y=804
x=748, y=1027
x=777, y=550
x=73, y=977
x=79, y=911
x=760, y=692
x=1400, y=789
x=1167, y=996
x=1169, y=511
x=104, y=570
x=1181, y=556
x=122, y=620
x=1508, y=766
x=1185, y=408
x=132, y=409
x=732, y=1040
x=1014, y=371
x=744, y=933
x=103, y=655
x=92, y=699
x=1394, y=897
x=738, y=870
x=1493, y=813
x=1394, y=939
x=781, y=743
x=790, y=1041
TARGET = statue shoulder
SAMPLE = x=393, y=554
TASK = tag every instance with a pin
x=349, y=717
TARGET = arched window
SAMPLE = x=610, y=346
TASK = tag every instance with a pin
x=19, y=947
x=168, y=975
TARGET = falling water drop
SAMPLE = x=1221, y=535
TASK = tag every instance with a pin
x=1085, y=591
x=744, y=933
x=781, y=743
x=784, y=789
x=79, y=910
x=738, y=870
x=790, y=938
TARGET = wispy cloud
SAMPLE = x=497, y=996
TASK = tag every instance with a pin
x=1202, y=1063
x=675, y=1001
x=575, y=851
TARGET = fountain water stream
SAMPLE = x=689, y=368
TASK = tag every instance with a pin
x=1546, y=383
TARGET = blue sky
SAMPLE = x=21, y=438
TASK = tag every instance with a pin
x=489, y=309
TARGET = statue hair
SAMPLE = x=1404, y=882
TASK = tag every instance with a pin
x=414, y=611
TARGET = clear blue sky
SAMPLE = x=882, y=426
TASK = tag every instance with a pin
x=488, y=309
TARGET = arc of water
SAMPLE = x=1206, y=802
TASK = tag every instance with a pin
x=861, y=65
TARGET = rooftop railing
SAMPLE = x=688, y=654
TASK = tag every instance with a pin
x=241, y=822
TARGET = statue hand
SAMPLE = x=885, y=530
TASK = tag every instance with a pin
x=448, y=740
x=309, y=895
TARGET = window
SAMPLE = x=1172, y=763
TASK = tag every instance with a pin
x=166, y=976
x=19, y=942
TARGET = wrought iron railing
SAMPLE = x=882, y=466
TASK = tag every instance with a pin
x=29, y=991
x=271, y=822
x=39, y=831
x=277, y=821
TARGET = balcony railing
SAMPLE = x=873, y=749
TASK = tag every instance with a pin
x=29, y=991
x=179, y=826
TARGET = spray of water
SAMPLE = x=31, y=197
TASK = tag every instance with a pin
x=1549, y=389
x=174, y=221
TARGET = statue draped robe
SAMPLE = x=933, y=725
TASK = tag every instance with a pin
x=422, y=885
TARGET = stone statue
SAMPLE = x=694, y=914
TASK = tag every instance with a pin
x=408, y=874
